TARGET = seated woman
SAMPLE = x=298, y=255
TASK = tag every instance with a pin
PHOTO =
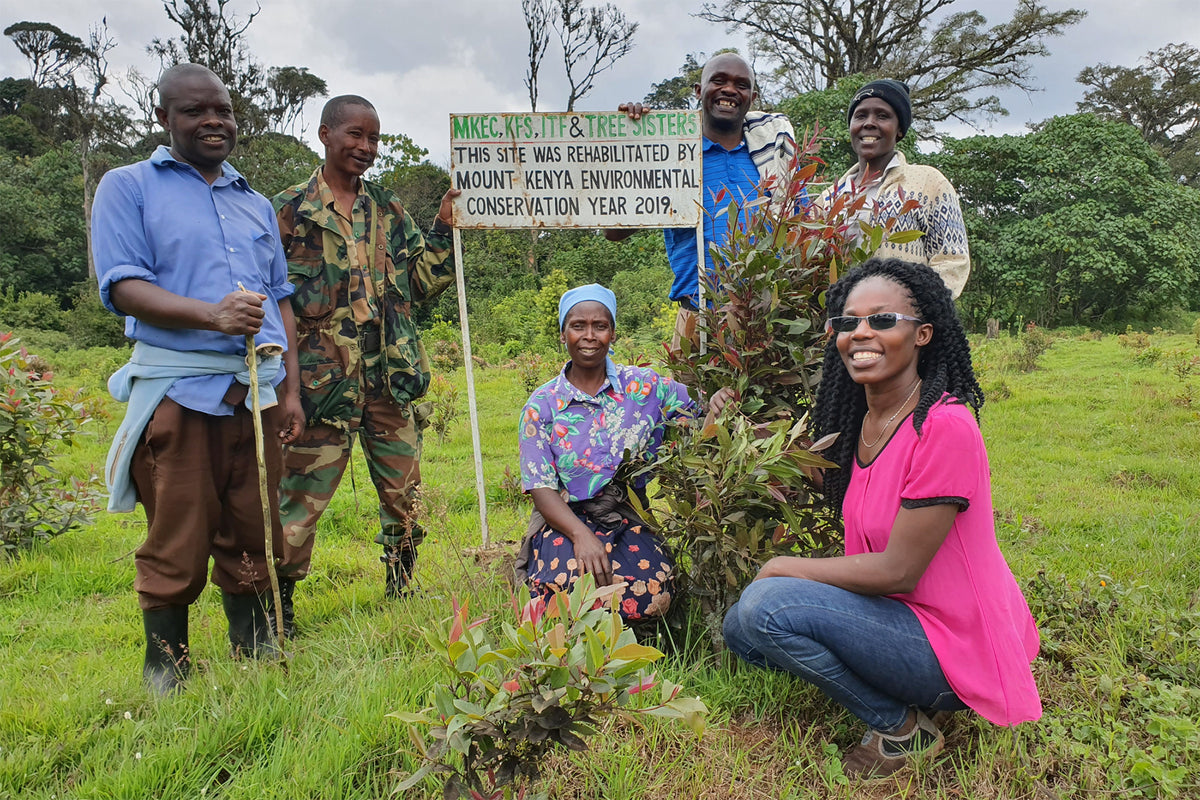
x=574, y=432
x=922, y=614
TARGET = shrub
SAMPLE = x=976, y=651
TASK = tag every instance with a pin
x=513, y=318
x=663, y=325
x=546, y=302
x=1032, y=342
x=445, y=355
x=89, y=367
x=639, y=297
x=30, y=310
x=1183, y=364
x=1149, y=355
x=38, y=340
x=1196, y=330
x=508, y=491
x=736, y=494
x=534, y=369
x=89, y=323
x=541, y=686
x=995, y=392
x=443, y=397
x=1134, y=340
x=35, y=420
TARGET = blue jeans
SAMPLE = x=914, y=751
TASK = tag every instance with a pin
x=868, y=654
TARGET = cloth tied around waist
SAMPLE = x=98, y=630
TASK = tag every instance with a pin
x=145, y=380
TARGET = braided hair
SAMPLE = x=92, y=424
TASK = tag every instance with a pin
x=944, y=365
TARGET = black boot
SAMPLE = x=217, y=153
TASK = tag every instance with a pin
x=250, y=632
x=399, y=562
x=286, y=587
x=167, y=658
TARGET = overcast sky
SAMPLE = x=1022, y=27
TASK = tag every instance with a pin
x=421, y=60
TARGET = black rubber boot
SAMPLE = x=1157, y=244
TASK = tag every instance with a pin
x=167, y=658
x=286, y=587
x=399, y=562
x=250, y=631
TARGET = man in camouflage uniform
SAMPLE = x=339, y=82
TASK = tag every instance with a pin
x=358, y=262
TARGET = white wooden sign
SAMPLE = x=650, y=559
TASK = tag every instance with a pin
x=576, y=170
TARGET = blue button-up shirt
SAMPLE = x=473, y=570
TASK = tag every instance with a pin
x=160, y=221
x=732, y=170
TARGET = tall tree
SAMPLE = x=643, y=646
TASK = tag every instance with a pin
x=263, y=99
x=1161, y=99
x=52, y=52
x=42, y=241
x=271, y=162
x=1076, y=222
x=76, y=79
x=678, y=91
x=950, y=60
x=288, y=89
x=84, y=88
x=593, y=38
x=537, y=22
x=211, y=35
x=141, y=90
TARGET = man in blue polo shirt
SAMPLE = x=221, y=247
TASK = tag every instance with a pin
x=741, y=148
x=175, y=238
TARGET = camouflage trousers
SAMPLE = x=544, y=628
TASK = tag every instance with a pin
x=314, y=464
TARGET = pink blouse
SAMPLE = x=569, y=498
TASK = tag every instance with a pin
x=967, y=601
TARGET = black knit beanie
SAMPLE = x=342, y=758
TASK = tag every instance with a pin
x=894, y=93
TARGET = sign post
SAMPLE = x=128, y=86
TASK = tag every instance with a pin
x=572, y=170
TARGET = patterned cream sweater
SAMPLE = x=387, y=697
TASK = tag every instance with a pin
x=944, y=245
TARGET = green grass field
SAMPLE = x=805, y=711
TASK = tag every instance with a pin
x=1097, y=496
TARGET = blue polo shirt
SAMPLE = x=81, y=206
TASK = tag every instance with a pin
x=161, y=222
x=732, y=170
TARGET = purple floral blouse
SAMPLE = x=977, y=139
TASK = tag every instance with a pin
x=571, y=440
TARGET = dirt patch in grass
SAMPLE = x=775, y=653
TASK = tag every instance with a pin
x=1127, y=479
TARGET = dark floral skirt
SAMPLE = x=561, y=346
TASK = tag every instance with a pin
x=637, y=556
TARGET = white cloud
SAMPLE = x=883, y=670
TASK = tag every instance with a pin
x=420, y=61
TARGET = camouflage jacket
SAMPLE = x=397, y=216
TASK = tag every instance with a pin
x=406, y=267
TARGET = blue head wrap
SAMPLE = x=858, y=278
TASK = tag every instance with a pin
x=581, y=294
x=602, y=295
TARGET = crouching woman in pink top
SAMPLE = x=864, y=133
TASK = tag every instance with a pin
x=922, y=615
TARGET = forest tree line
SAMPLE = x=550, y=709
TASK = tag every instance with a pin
x=1091, y=218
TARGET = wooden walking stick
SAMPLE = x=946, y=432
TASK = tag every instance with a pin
x=263, y=488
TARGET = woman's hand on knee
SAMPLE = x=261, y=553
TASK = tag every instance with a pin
x=781, y=567
x=591, y=556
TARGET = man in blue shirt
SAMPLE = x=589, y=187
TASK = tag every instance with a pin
x=741, y=149
x=174, y=238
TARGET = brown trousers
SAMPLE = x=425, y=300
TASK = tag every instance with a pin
x=197, y=477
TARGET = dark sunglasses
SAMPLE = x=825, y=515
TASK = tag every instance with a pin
x=878, y=322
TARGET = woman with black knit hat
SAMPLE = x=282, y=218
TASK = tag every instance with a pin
x=922, y=616
x=880, y=115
